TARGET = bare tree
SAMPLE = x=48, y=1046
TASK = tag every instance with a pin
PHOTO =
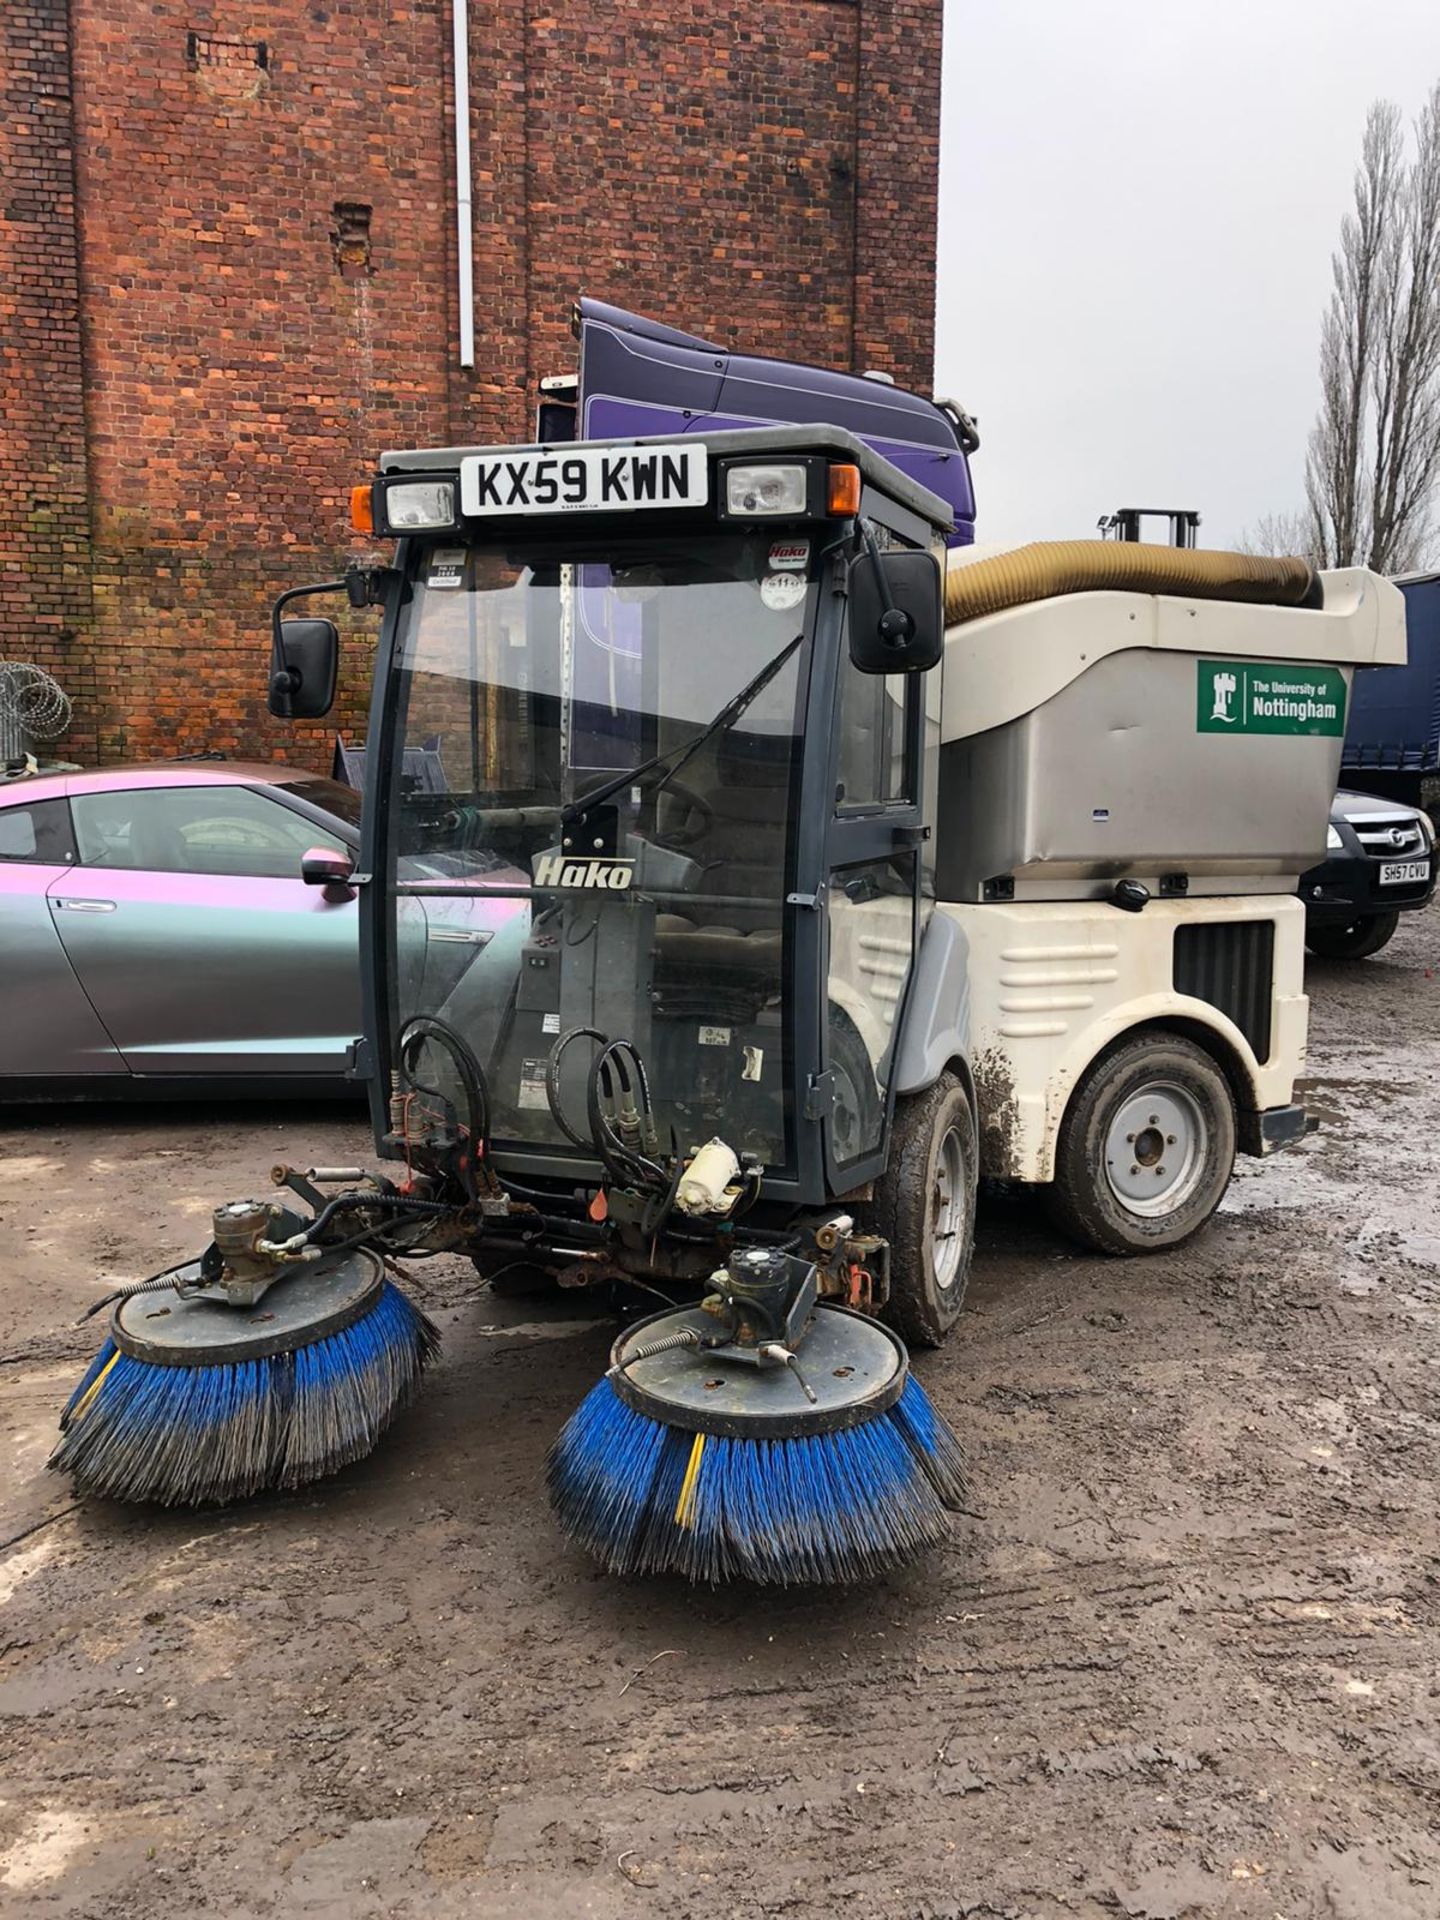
x=1282, y=533
x=1374, y=455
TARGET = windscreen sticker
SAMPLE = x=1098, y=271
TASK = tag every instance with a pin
x=781, y=591
x=714, y=1036
x=447, y=567
x=790, y=555
x=551, y=1023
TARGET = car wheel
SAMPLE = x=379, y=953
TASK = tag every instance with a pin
x=1355, y=939
x=1146, y=1148
x=924, y=1205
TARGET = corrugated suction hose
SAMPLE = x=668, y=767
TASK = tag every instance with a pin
x=1050, y=567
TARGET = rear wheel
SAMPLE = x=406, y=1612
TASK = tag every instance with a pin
x=1146, y=1148
x=925, y=1207
x=1353, y=939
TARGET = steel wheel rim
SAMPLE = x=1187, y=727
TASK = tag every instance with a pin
x=949, y=1210
x=1156, y=1148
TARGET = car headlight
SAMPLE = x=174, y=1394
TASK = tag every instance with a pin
x=1426, y=826
x=1333, y=840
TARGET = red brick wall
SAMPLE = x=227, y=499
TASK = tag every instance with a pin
x=763, y=174
x=44, y=510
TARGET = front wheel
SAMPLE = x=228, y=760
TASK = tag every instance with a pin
x=1353, y=939
x=1146, y=1148
x=925, y=1207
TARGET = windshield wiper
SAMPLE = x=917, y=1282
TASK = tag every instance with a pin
x=681, y=754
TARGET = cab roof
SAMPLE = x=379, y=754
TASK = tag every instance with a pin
x=875, y=470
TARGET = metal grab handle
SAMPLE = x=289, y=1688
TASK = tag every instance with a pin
x=86, y=906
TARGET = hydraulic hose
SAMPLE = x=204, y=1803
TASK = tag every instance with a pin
x=623, y=1164
x=468, y=1070
x=1050, y=567
x=352, y=1202
x=155, y=1284
x=652, y=1349
x=552, y=1082
x=615, y=1149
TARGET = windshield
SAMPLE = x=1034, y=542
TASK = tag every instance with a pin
x=602, y=763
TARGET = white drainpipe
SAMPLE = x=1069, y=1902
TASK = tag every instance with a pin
x=460, y=14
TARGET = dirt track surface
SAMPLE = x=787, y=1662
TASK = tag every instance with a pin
x=1181, y=1662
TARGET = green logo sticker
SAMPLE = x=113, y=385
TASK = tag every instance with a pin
x=1240, y=696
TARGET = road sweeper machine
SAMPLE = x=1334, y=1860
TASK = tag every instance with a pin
x=784, y=863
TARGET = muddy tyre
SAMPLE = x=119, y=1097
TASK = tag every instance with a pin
x=925, y=1207
x=1146, y=1148
x=1354, y=939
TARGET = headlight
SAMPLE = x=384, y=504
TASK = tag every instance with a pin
x=753, y=491
x=1333, y=840
x=413, y=506
x=1426, y=825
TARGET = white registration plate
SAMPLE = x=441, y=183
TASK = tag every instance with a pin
x=1403, y=873
x=595, y=480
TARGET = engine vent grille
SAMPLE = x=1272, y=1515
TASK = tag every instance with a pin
x=1231, y=964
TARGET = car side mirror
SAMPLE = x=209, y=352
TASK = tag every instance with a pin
x=305, y=661
x=897, y=621
x=325, y=867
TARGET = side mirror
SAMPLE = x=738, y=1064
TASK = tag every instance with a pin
x=325, y=867
x=897, y=622
x=305, y=660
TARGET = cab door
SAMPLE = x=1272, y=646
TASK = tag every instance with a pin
x=48, y=1028
x=873, y=904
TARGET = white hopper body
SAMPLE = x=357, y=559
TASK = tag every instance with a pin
x=1192, y=744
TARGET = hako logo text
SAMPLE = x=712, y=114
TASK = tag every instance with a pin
x=555, y=870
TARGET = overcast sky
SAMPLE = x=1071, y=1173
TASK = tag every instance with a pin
x=1138, y=202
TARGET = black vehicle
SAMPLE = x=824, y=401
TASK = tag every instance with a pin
x=1380, y=864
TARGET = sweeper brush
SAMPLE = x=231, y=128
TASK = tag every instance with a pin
x=198, y=1396
x=710, y=1450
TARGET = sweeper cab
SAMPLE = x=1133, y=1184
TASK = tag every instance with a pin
x=782, y=868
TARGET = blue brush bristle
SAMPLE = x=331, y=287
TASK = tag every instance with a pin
x=824, y=1509
x=184, y=1436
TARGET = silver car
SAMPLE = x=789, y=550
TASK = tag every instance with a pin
x=157, y=933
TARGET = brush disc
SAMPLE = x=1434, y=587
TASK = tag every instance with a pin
x=307, y=1305
x=193, y=1401
x=686, y=1463
x=855, y=1368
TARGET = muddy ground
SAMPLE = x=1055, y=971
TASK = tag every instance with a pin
x=1181, y=1660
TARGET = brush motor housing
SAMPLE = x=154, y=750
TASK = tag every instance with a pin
x=769, y=1299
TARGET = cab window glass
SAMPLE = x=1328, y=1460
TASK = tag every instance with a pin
x=872, y=769
x=216, y=829
x=39, y=834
